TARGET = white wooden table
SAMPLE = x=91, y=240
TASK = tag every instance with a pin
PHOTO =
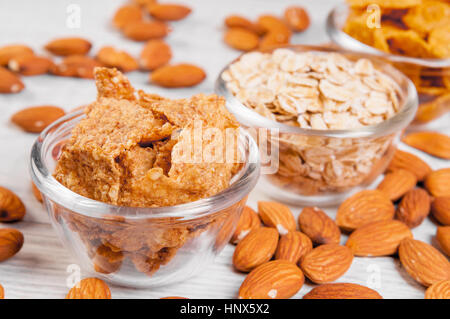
x=39, y=269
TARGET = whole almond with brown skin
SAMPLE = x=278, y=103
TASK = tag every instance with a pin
x=155, y=54
x=342, y=291
x=11, y=241
x=443, y=238
x=414, y=207
x=423, y=262
x=278, y=216
x=146, y=30
x=37, y=194
x=90, y=288
x=10, y=82
x=270, y=23
x=293, y=246
x=178, y=75
x=364, y=207
x=255, y=249
x=326, y=263
x=440, y=207
x=169, y=12
x=241, y=39
x=439, y=290
x=8, y=52
x=127, y=14
x=35, y=119
x=248, y=221
x=396, y=183
x=438, y=183
x=277, y=279
x=30, y=64
x=273, y=40
x=11, y=207
x=378, y=239
x=68, y=46
x=433, y=143
x=316, y=224
x=236, y=21
x=296, y=18
x=2, y=292
x=112, y=57
x=410, y=162
x=80, y=66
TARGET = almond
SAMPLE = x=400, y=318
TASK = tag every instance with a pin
x=2, y=292
x=146, y=30
x=423, y=262
x=241, y=39
x=440, y=207
x=296, y=18
x=155, y=54
x=68, y=46
x=342, y=291
x=112, y=57
x=270, y=23
x=35, y=119
x=80, y=66
x=36, y=192
x=433, y=143
x=396, y=183
x=410, y=162
x=90, y=288
x=364, y=207
x=326, y=263
x=248, y=221
x=414, y=207
x=318, y=226
x=438, y=290
x=11, y=241
x=276, y=279
x=438, y=182
x=179, y=75
x=11, y=207
x=378, y=239
x=11, y=51
x=30, y=64
x=126, y=15
x=443, y=238
x=236, y=21
x=170, y=12
x=293, y=246
x=255, y=249
x=277, y=215
x=9, y=82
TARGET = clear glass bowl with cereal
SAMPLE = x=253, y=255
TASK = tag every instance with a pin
x=121, y=196
x=326, y=121
x=413, y=36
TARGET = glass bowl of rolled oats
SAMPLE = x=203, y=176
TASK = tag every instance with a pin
x=326, y=121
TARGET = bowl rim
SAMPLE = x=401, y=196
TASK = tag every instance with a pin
x=251, y=118
x=56, y=192
x=347, y=42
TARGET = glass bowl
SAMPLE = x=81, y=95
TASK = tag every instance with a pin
x=430, y=76
x=323, y=167
x=140, y=247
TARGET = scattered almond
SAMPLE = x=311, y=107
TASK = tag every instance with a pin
x=378, y=239
x=8, y=52
x=438, y=290
x=293, y=246
x=255, y=249
x=112, y=57
x=326, y=263
x=2, y=292
x=296, y=18
x=433, y=143
x=126, y=15
x=277, y=32
x=36, y=192
x=342, y=291
x=68, y=46
x=248, y=221
x=11, y=241
x=277, y=215
x=316, y=224
x=146, y=30
x=178, y=75
x=11, y=207
x=410, y=162
x=364, y=207
x=80, y=66
x=30, y=64
x=90, y=288
x=443, y=238
x=9, y=82
x=276, y=279
x=414, y=207
x=241, y=39
x=423, y=262
x=35, y=119
x=440, y=207
x=155, y=54
x=170, y=12
x=438, y=182
x=273, y=40
x=396, y=183
x=236, y=21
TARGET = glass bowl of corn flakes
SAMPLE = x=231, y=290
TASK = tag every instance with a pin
x=413, y=35
x=326, y=121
